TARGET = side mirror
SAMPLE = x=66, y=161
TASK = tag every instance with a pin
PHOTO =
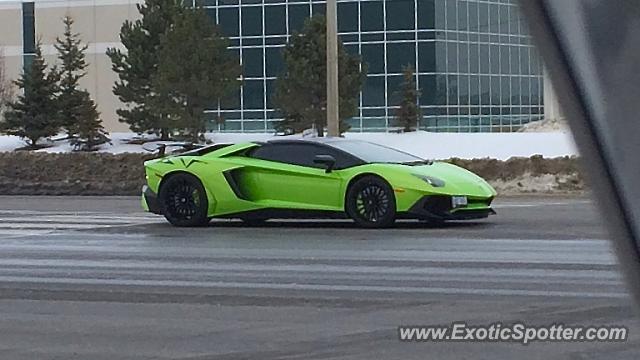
x=327, y=160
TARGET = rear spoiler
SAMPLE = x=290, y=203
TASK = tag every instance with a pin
x=161, y=148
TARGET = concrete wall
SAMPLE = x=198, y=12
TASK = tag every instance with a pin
x=11, y=37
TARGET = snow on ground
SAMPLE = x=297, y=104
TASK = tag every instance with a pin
x=118, y=140
x=546, y=183
x=500, y=146
x=547, y=125
x=9, y=143
x=424, y=144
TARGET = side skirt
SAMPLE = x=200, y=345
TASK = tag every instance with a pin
x=285, y=214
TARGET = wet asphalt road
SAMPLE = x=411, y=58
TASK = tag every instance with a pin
x=95, y=278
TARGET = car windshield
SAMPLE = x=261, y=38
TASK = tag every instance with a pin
x=374, y=153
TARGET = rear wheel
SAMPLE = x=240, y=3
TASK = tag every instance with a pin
x=184, y=201
x=371, y=203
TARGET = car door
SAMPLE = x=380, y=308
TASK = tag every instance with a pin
x=286, y=176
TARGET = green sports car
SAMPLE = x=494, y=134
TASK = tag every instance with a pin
x=319, y=178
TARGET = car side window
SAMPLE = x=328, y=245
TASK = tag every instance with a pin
x=301, y=154
x=294, y=154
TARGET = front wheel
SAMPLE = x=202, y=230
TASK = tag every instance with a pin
x=184, y=201
x=371, y=203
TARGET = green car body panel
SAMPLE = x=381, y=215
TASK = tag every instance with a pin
x=260, y=184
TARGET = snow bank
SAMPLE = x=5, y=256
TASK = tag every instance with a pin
x=547, y=125
x=118, y=146
x=428, y=145
x=499, y=146
x=9, y=143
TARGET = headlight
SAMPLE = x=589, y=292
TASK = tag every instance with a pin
x=433, y=181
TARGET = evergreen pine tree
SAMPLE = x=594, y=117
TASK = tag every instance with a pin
x=88, y=129
x=301, y=92
x=409, y=113
x=34, y=114
x=137, y=65
x=187, y=85
x=72, y=100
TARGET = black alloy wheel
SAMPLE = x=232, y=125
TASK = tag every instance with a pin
x=371, y=203
x=184, y=201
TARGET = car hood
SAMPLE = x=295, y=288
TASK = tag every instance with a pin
x=457, y=180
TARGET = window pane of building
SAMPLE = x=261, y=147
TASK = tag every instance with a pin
x=372, y=18
x=463, y=16
x=400, y=55
x=452, y=57
x=485, y=86
x=400, y=14
x=452, y=91
x=463, y=57
x=495, y=90
x=252, y=62
x=441, y=56
x=463, y=90
x=451, y=9
x=253, y=94
x=394, y=86
x=274, y=61
x=275, y=20
x=426, y=14
x=271, y=90
x=427, y=56
x=228, y=19
x=483, y=14
x=251, y=20
x=474, y=90
x=503, y=24
x=298, y=13
x=494, y=18
x=514, y=60
x=515, y=90
x=374, y=92
x=440, y=14
x=428, y=90
x=373, y=55
x=318, y=9
x=347, y=16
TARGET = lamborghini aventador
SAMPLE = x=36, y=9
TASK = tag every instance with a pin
x=318, y=178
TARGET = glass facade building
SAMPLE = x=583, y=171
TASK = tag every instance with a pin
x=475, y=64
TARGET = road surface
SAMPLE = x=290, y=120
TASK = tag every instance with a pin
x=95, y=278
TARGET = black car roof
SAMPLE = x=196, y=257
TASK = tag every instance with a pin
x=317, y=140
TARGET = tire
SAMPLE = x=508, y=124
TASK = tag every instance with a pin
x=371, y=203
x=184, y=201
